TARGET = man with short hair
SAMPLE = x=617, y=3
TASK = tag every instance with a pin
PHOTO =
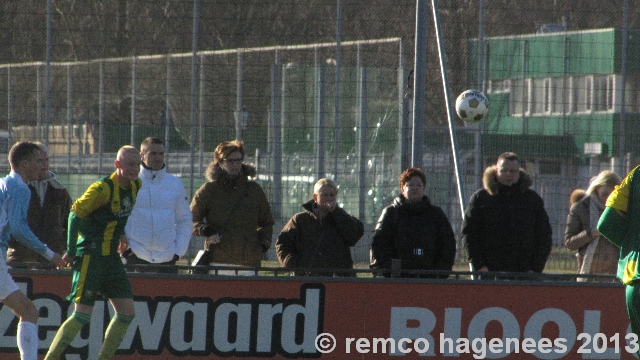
x=505, y=226
x=95, y=239
x=25, y=160
x=159, y=228
x=47, y=215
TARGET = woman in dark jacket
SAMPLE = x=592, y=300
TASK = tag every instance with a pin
x=319, y=237
x=414, y=231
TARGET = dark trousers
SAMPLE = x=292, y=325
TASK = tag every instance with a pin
x=163, y=267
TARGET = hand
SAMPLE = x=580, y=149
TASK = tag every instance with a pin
x=124, y=244
x=213, y=239
x=330, y=205
x=594, y=233
x=68, y=259
x=58, y=261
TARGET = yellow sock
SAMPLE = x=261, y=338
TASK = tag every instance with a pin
x=114, y=335
x=66, y=333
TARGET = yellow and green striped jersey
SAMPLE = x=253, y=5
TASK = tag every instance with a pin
x=620, y=224
x=98, y=218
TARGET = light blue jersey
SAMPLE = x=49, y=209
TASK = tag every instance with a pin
x=14, y=199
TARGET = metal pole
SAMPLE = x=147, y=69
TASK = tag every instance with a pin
x=69, y=116
x=622, y=141
x=336, y=126
x=404, y=135
x=481, y=76
x=167, y=112
x=194, y=89
x=47, y=100
x=419, y=83
x=38, y=102
x=523, y=74
x=239, y=97
x=276, y=136
x=447, y=100
x=101, y=139
x=481, y=59
x=133, y=102
x=9, y=108
x=362, y=135
x=201, y=114
x=320, y=98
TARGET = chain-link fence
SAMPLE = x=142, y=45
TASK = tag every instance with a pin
x=563, y=96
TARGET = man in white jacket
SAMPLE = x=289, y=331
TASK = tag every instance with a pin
x=159, y=227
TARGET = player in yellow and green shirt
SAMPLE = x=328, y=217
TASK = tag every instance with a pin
x=620, y=223
x=95, y=238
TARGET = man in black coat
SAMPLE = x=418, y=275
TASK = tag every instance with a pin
x=506, y=227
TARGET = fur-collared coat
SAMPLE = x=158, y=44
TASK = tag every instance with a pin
x=506, y=228
x=238, y=210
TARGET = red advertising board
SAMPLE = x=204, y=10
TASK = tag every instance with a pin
x=197, y=317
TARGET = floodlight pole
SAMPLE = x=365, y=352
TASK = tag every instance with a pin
x=419, y=86
x=481, y=75
x=47, y=99
x=624, y=167
x=194, y=89
x=447, y=100
x=336, y=126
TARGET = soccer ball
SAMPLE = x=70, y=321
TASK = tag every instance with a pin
x=472, y=106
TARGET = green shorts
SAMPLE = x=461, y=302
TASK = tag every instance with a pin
x=96, y=274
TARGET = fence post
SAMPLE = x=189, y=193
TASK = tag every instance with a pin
x=239, y=107
x=361, y=135
x=133, y=101
x=404, y=134
x=101, y=139
x=69, y=116
x=336, y=126
x=419, y=83
x=201, y=114
x=320, y=99
x=167, y=112
x=9, y=108
x=277, y=85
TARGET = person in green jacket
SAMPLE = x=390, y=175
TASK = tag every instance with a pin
x=619, y=224
x=232, y=212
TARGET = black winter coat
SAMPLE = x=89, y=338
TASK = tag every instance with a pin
x=506, y=228
x=419, y=234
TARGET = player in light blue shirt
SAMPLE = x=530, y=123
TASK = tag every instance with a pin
x=25, y=159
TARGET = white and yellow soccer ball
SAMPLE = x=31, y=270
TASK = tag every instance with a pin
x=472, y=106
